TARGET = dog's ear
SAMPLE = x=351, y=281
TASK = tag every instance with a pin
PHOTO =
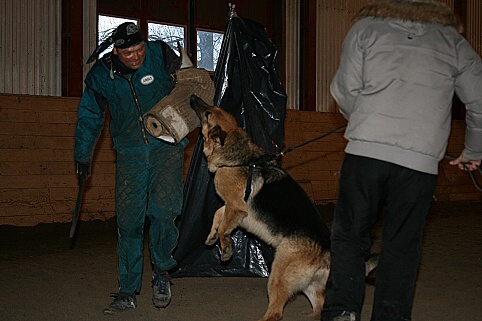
x=206, y=115
x=199, y=106
x=217, y=134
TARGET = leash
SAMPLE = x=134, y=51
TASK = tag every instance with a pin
x=268, y=157
x=263, y=160
x=471, y=173
x=472, y=176
x=477, y=185
x=288, y=150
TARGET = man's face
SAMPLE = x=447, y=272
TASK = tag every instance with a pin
x=133, y=57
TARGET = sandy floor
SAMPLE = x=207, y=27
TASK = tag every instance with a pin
x=41, y=278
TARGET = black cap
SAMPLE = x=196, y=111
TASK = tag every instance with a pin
x=127, y=35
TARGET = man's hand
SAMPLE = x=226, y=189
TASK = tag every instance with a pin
x=82, y=169
x=466, y=164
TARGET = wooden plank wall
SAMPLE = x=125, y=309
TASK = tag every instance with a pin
x=38, y=183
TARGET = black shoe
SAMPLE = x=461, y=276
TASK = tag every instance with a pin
x=122, y=302
x=161, y=289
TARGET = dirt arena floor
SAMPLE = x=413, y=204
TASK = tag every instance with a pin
x=42, y=278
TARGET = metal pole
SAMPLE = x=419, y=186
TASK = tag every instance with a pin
x=191, y=46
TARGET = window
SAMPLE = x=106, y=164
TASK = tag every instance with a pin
x=168, y=33
x=208, y=48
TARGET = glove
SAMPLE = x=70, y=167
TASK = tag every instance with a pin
x=82, y=169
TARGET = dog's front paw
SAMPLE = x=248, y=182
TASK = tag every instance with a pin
x=227, y=252
x=212, y=238
x=226, y=247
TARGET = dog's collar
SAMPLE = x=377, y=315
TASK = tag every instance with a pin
x=260, y=161
x=249, y=180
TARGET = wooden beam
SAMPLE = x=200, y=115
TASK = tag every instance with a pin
x=308, y=55
x=72, y=44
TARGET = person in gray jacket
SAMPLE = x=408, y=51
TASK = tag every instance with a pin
x=401, y=64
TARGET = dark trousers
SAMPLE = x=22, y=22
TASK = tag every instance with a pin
x=368, y=188
x=148, y=183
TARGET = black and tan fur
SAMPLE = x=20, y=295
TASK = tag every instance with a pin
x=278, y=211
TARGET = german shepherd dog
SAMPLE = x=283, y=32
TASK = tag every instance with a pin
x=277, y=211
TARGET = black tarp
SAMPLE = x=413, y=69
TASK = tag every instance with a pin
x=248, y=87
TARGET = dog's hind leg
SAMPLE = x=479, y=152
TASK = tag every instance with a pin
x=299, y=265
x=288, y=276
x=315, y=291
x=278, y=293
x=316, y=296
x=218, y=217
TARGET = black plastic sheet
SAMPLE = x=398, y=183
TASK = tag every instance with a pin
x=248, y=87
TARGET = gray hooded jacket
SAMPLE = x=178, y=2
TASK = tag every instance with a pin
x=402, y=62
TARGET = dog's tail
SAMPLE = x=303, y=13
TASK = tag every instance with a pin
x=372, y=263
